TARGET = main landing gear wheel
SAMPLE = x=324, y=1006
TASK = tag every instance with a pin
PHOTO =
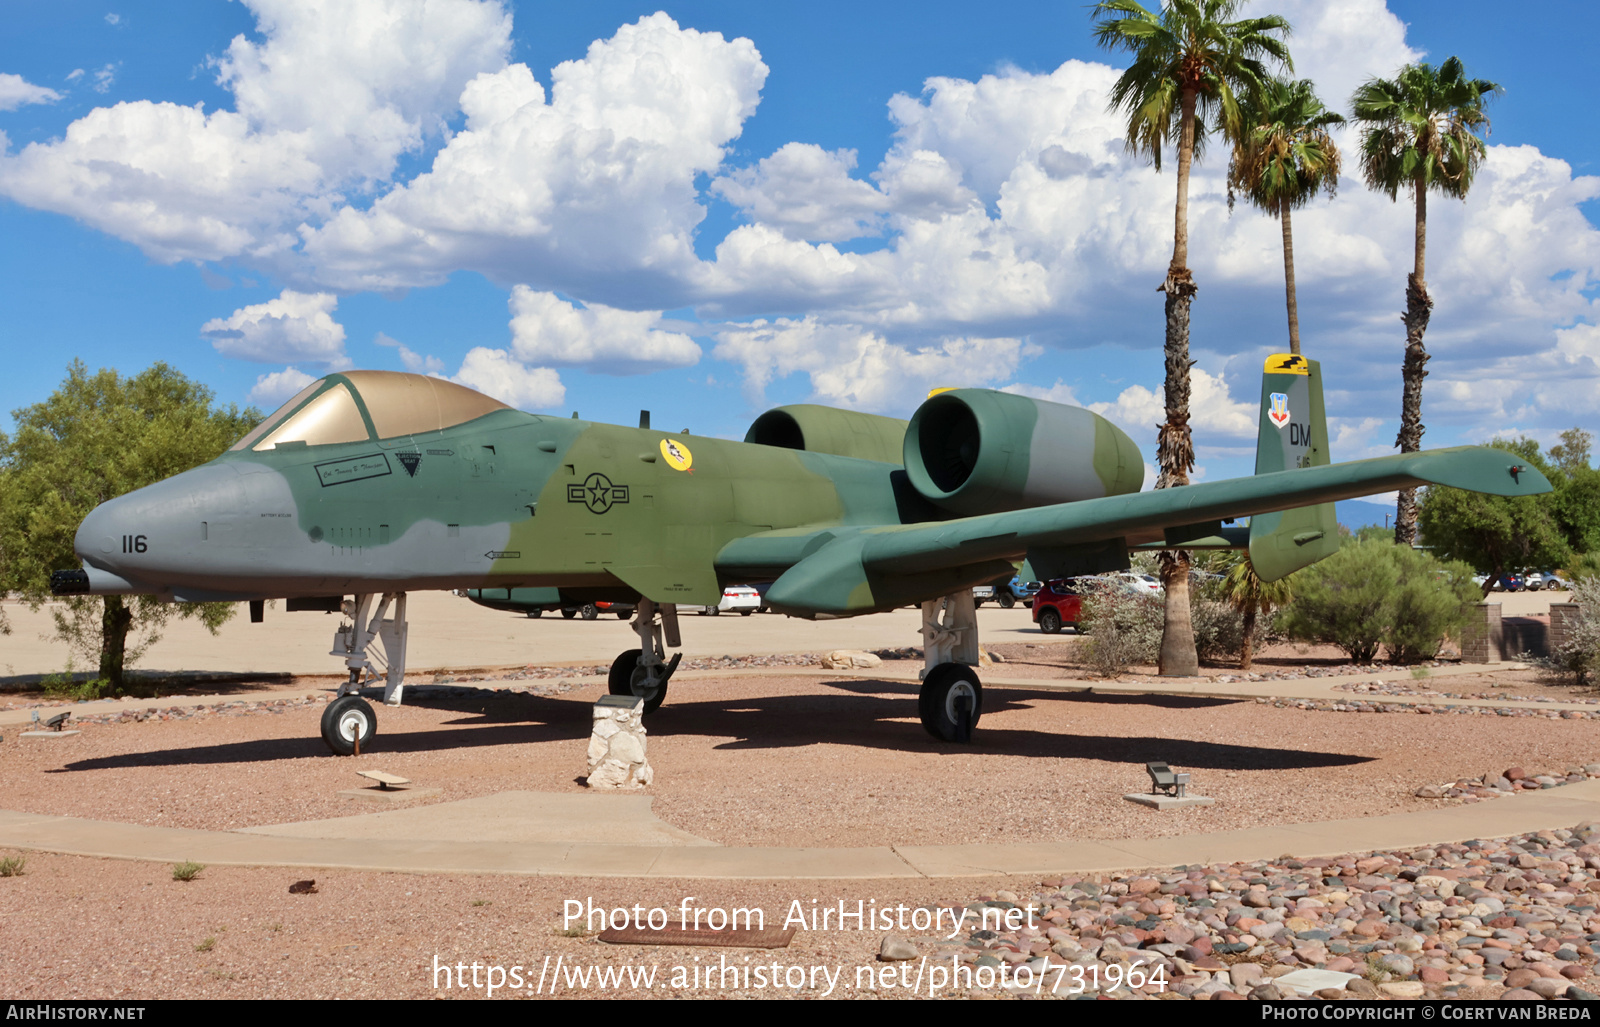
x=628, y=677
x=951, y=702
x=1049, y=621
x=347, y=719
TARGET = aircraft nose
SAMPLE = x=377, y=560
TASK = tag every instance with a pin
x=153, y=527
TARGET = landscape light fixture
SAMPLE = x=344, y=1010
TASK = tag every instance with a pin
x=1164, y=782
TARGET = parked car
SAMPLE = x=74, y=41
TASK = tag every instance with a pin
x=1023, y=591
x=1508, y=582
x=1136, y=581
x=1546, y=581
x=622, y=610
x=1006, y=593
x=740, y=599
x=1060, y=602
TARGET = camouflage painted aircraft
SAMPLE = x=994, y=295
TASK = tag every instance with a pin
x=371, y=484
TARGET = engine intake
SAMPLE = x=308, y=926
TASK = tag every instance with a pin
x=977, y=451
x=820, y=429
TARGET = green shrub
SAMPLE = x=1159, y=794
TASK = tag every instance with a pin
x=1579, y=655
x=1219, y=628
x=1373, y=593
x=186, y=871
x=1584, y=566
x=12, y=866
x=1124, y=628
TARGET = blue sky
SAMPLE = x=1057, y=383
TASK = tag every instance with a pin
x=731, y=205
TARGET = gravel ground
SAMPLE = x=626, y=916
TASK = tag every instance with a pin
x=740, y=761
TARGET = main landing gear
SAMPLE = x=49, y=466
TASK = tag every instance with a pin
x=644, y=671
x=951, y=700
x=349, y=723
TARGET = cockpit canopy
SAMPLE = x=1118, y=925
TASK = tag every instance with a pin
x=358, y=406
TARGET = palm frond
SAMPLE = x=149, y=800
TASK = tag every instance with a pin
x=1420, y=128
x=1283, y=153
x=1193, y=48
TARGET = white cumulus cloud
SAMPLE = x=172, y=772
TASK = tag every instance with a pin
x=591, y=190
x=855, y=367
x=548, y=331
x=497, y=373
x=15, y=91
x=806, y=193
x=295, y=326
x=1213, y=410
x=329, y=99
x=272, y=389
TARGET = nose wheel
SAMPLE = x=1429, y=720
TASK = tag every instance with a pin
x=630, y=676
x=644, y=672
x=348, y=725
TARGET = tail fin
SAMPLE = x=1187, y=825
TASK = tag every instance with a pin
x=1293, y=433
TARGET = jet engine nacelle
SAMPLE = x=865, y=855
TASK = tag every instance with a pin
x=976, y=451
x=819, y=429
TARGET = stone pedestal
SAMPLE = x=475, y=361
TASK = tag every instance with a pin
x=617, y=744
x=1483, y=637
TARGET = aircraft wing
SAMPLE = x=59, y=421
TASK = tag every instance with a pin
x=842, y=571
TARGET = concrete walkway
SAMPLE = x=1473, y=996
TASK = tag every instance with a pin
x=420, y=841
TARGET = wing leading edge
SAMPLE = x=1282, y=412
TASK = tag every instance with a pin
x=843, y=571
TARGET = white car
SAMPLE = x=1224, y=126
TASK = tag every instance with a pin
x=1543, y=580
x=1136, y=582
x=740, y=599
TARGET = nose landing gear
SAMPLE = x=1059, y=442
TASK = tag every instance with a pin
x=644, y=672
x=349, y=723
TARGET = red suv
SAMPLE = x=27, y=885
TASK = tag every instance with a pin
x=1061, y=602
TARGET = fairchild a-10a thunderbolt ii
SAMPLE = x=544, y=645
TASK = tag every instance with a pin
x=370, y=484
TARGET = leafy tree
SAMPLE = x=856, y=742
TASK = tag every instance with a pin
x=1374, y=593
x=1497, y=534
x=1571, y=454
x=96, y=438
x=1420, y=132
x=1189, y=64
x=1251, y=596
x=1577, y=498
x=1284, y=157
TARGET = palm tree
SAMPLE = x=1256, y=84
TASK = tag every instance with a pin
x=1420, y=131
x=1284, y=155
x=1189, y=63
x=1248, y=594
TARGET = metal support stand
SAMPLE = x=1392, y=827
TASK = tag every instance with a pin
x=949, y=631
x=353, y=643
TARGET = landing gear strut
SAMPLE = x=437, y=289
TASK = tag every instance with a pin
x=349, y=723
x=644, y=672
x=951, y=700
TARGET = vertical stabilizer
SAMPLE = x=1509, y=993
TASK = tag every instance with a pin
x=1293, y=433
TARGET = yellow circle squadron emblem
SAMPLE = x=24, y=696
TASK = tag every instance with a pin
x=676, y=454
